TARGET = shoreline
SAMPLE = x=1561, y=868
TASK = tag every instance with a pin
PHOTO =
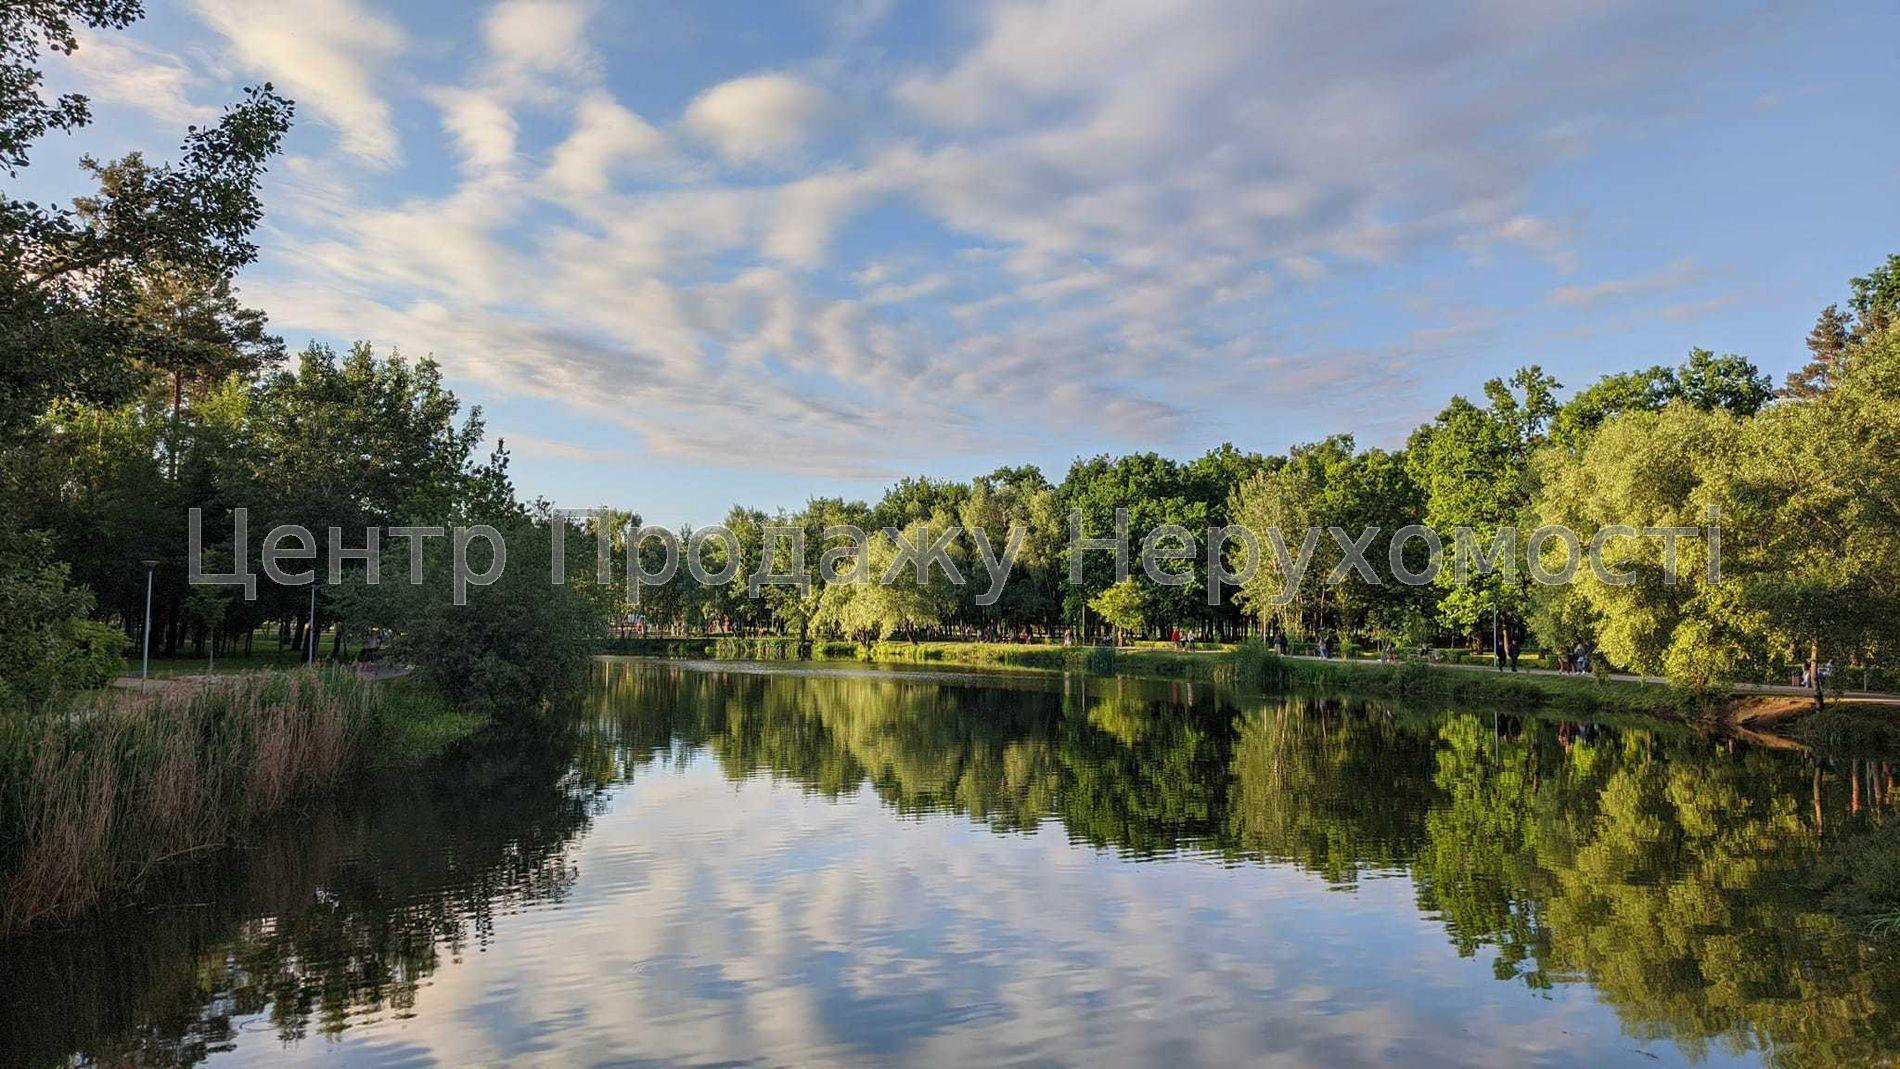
x=1772, y=715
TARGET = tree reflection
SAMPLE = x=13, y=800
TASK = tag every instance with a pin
x=1682, y=877
x=333, y=916
x=1716, y=896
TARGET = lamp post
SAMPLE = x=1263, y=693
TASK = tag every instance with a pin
x=313, y=623
x=145, y=661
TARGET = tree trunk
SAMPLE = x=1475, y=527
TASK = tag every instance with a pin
x=171, y=436
x=1814, y=675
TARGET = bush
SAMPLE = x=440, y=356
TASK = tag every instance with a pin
x=1255, y=664
x=90, y=654
x=46, y=644
x=513, y=646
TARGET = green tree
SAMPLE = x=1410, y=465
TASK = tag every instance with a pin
x=1320, y=487
x=1155, y=491
x=1828, y=345
x=1656, y=470
x=69, y=278
x=1474, y=466
x=1124, y=605
x=517, y=643
x=1876, y=299
x=71, y=281
x=1727, y=382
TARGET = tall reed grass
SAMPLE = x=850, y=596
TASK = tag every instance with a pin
x=94, y=796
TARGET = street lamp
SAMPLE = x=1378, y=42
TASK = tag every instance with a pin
x=145, y=664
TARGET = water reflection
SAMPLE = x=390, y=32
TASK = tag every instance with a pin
x=333, y=918
x=781, y=867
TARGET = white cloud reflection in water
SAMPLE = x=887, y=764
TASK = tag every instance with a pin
x=717, y=922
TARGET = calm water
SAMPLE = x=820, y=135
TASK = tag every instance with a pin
x=806, y=866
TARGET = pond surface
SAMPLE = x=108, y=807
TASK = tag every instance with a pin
x=726, y=864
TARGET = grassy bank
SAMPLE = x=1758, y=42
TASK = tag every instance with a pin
x=1870, y=729
x=1251, y=664
x=97, y=795
x=1415, y=681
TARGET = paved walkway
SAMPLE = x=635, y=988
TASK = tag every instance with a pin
x=1741, y=688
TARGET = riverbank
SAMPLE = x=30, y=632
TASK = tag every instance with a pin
x=99, y=793
x=1861, y=726
x=1250, y=664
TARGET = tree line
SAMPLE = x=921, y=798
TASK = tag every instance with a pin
x=1803, y=482
x=135, y=385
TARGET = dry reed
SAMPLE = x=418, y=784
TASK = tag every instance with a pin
x=93, y=798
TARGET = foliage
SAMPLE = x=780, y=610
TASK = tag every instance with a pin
x=45, y=645
x=1124, y=606
x=73, y=283
x=81, y=310
x=518, y=642
x=25, y=29
x=1474, y=466
x=135, y=385
x=1321, y=487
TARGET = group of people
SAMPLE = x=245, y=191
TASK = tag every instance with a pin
x=1574, y=661
x=1019, y=636
x=1805, y=678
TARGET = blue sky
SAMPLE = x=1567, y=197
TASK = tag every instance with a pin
x=691, y=254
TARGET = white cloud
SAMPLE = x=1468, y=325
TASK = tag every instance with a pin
x=1081, y=243
x=115, y=69
x=1549, y=238
x=325, y=54
x=606, y=139
x=1689, y=312
x=483, y=127
x=538, y=35
x=1675, y=276
x=761, y=118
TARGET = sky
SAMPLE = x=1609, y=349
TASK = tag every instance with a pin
x=690, y=254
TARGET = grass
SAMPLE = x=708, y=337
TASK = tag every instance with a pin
x=1852, y=730
x=1250, y=664
x=99, y=793
x=264, y=655
x=1416, y=681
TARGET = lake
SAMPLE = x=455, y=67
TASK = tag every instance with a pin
x=722, y=864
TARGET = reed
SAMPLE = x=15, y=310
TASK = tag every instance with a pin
x=97, y=795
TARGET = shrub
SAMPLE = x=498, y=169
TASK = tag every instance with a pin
x=46, y=644
x=1255, y=664
x=91, y=654
x=515, y=644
